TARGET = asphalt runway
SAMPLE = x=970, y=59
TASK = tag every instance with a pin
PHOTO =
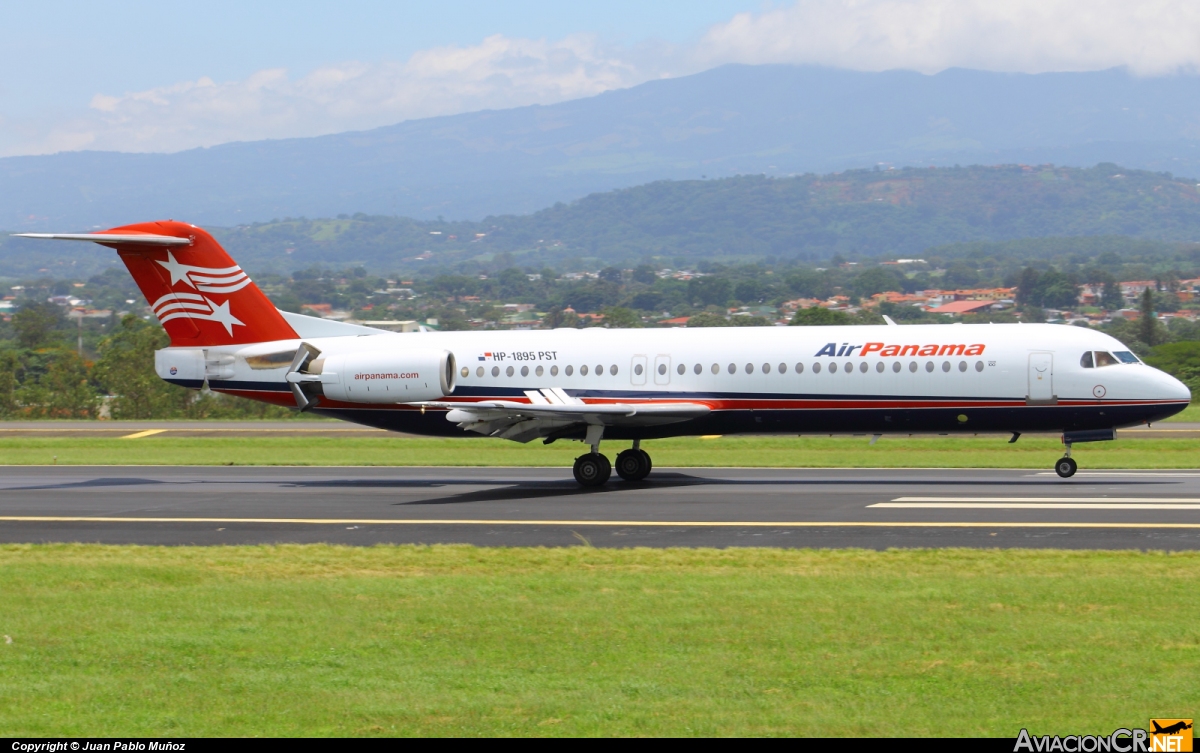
x=333, y=428
x=875, y=508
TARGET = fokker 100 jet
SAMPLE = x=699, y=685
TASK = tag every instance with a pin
x=591, y=385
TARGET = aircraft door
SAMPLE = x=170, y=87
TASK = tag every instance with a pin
x=662, y=369
x=637, y=371
x=1041, y=379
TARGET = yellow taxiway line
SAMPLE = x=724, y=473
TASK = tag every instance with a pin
x=146, y=433
x=604, y=523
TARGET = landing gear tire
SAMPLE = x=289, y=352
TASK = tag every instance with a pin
x=633, y=465
x=1066, y=467
x=592, y=469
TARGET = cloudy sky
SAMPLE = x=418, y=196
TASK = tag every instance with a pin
x=166, y=75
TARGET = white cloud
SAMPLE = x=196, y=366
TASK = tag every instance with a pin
x=1149, y=36
x=500, y=72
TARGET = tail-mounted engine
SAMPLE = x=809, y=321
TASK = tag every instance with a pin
x=372, y=377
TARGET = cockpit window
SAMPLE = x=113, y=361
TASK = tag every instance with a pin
x=1086, y=360
x=1105, y=359
x=1126, y=356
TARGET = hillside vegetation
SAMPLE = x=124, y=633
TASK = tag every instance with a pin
x=855, y=214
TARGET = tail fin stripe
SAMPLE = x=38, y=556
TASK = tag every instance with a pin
x=218, y=279
x=181, y=306
x=225, y=288
x=176, y=297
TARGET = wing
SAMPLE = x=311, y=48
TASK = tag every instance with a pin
x=552, y=413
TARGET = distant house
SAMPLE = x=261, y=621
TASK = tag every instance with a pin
x=962, y=307
x=1134, y=288
x=679, y=321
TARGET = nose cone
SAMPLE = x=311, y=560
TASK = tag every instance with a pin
x=1167, y=387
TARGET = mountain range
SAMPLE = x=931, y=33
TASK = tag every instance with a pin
x=859, y=214
x=735, y=120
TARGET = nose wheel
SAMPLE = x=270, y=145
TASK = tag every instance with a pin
x=634, y=464
x=1066, y=467
x=592, y=469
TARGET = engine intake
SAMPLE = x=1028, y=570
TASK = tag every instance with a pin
x=405, y=377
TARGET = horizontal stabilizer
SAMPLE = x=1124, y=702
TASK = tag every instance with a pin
x=140, y=239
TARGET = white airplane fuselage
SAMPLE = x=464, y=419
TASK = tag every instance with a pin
x=972, y=378
x=632, y=384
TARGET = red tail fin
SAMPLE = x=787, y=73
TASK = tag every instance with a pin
x=201, y=296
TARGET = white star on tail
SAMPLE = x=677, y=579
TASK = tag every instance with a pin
x=220, y=313
x=192, y=306
x=205, y=279
x=179, y=272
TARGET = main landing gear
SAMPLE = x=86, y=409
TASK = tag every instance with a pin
x=634, y=464
x=593, y=469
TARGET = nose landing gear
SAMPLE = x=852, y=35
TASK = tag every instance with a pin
x=1066, y=467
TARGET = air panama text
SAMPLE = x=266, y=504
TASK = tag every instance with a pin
x=405, y=375
x=883, y=349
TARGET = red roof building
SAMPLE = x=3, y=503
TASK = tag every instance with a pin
x=962, y=307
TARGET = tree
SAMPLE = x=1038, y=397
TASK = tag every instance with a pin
x=9, y=363
x=611, y=274
x=1111, y=298
x=125, y=369
x=876, y=280
x=35, y=324
x=62, y=391
x=708, y=319
x=556, y=318
x=1149, y=329
x=1027, y=287
x=749, y=321
x=710, y=291
x=644, y=273
x=1056, y=290
x=960, y=274
x=617, y=317
x=817, y=317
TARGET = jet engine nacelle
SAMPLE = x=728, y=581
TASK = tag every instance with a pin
x=404, y=377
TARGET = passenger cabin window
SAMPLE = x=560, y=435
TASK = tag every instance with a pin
x=1086, y=360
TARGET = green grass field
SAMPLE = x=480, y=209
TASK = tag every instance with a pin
x=321, y=640
x=767, y=452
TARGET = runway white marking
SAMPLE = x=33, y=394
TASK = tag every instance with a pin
x=1041, y=503
x=1030, y=506
x=1147, y=474
x=1189, y=500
